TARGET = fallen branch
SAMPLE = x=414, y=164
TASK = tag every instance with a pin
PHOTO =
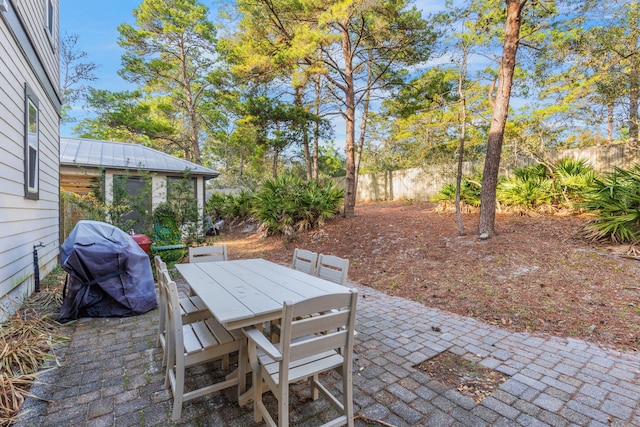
x=373, y=420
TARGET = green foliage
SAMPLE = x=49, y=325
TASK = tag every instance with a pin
x=128, y=116
x=572, y=178
x=78, y=207
x=529, y=188
x=528, y=191
x=215, y=204
x=287, y=204
x=614, y=201
x=470, y=190
x=561, y=185
x=184, y=205
x=529, y=172
x=166, y=232
x=170, y=53
x=331, y=162
x=130, y=211
x=235, y=207
x=165, y=227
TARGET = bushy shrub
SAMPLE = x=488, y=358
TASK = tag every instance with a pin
x=532, y=187
x=571, y=179
x=614, y=202
x=470, y=189
x=183, y=204
x=166, y=232
x=287, y=204
x=215, y=203
x=232, y=207
x=527, y=190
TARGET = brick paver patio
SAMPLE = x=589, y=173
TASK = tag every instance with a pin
x=111, y=375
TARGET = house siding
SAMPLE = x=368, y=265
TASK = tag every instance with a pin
x=24, y=222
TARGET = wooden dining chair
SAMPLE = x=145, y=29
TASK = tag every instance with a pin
x=208, y=253
x=192, y=308
x=308, y=346
x=196, y=343
x=332, y=268
x=304, y=260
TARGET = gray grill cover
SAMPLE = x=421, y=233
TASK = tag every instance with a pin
x=109, y=274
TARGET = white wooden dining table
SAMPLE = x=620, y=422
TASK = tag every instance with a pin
x=248, y=292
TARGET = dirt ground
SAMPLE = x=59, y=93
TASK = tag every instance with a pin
x=537, y=274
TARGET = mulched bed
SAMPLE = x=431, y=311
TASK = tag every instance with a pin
x=470, y=378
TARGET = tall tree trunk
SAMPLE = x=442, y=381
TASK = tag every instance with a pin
x=350, y=117
x=274, y=164
x=363, y=134
x=634, y=92
x=192, y=115
x=305, y=136
x=365, y=118
x=316, y=131
x=610, y=123
x=350, y=165
x=634, y=77
x=463, y=136
x=486, y=225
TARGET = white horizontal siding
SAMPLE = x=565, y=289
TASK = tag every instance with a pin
x=23, y=222
x=33, y=15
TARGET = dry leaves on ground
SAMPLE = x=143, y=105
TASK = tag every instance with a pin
x=537, y=274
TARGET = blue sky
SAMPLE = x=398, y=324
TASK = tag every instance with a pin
x=96, y=23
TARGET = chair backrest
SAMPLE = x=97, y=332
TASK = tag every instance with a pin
x=331, y=327
x=174, y=318
x=163, y=277
x=304, y=260
x=332, y=268
x=161, y=267
x=159, y=264
x=208, y=253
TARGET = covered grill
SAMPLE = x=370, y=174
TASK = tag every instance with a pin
x=109, y=274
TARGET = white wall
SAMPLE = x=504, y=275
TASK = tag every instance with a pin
x=24, y=222
x=423, y=184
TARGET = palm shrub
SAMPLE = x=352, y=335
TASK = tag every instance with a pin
x=571, y=179
x=470, y=190
x=233, y=207
x=614, y=202
x=526, y=190
x=238, y=206
x=215, y=203
x=530, y=188
x=287, y=204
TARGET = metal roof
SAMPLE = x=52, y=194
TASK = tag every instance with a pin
x=122, y=155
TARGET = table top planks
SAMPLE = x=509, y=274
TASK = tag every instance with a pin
x=251, y=291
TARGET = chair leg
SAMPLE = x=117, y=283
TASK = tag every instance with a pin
x=283, y=406
x=314, y=389
x=224, y=363
x=242, y=368
x=347, y=395
x=256, y=383
x=178, y=392
x=169, y=359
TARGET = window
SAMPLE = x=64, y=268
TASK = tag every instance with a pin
x=31, y=144
x=49, y=22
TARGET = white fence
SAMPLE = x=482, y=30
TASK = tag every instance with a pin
x=424, y=183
